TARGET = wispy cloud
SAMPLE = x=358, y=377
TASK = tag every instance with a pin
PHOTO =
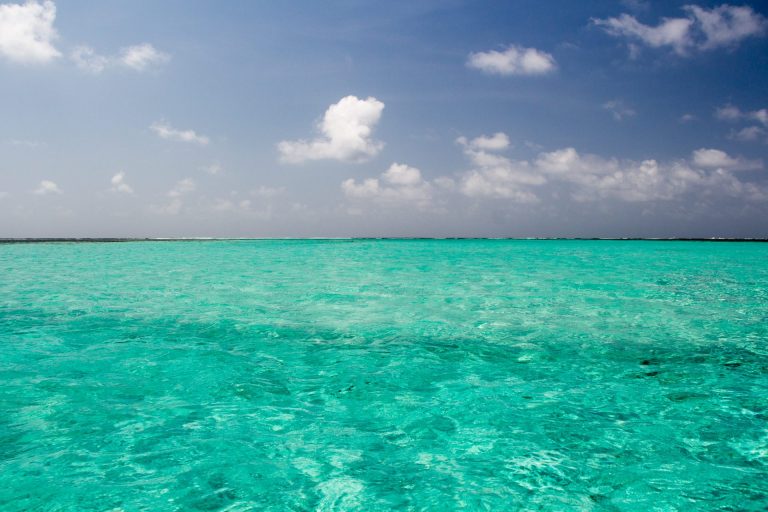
x=137, y=58
x=88, y=60
x=182, y=188
x=176, y=196
x=619, y=110
x=732, y=113
x=700, y=29
x=214, y=168
x=24, y=143
x=166, y=131
x=749, y=134
x=141, y=56
x=514, y=60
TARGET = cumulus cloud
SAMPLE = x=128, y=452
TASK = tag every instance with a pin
x=700, y=29
x=47, y=187
x=119, y=184
x=588, y=177
x=400, y=183
x=618, y=109
x=166, y=131
x=346, y=130
x=594, y=177
x=27, y=33
x=141, y=56
x=494, y=175
x=137, y=58
x=687, y=118
x=514, y=60
x=715, y=158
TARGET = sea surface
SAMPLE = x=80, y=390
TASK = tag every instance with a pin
x=379, y=375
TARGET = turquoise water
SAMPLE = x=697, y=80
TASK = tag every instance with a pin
x=384, y=375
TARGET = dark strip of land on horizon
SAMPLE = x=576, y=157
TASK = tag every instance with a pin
x=182, y=239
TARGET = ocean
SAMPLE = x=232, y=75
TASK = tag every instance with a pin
x=384, y=375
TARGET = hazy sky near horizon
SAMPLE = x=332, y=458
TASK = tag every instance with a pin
x=399, y=118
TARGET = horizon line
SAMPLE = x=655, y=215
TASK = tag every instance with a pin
x=13, y=240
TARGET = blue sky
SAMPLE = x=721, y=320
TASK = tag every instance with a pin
x=445, y=118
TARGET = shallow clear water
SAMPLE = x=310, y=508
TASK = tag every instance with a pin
x=380, y=375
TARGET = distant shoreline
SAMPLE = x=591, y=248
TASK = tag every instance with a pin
x=211, y=239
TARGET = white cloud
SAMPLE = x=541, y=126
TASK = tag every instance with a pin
x=176, y=194
x=618, y=109
x=137, y=58
x=182, y=187
x=727, y=25
x=715, y=158
x=119, y=184
x=229, y=205
x=590, y=177
x=88, y=60
x=47, y=187
x=494, y=175
x=399, y=184
x=748, y=134
x=728, y=113
x=515, y=60
x=172, y=208
x=712, y=158
x=673, y=32
x=264, y=192
x=733, y=113
x=346, y=130
x=24, y=143
x=27, y=33
x=214, y=169
x=595, y=177
x=166, y=131
x=687, y=118
x=141, y=56
x=759, y=115
x=493, y=142
x=701, y=29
